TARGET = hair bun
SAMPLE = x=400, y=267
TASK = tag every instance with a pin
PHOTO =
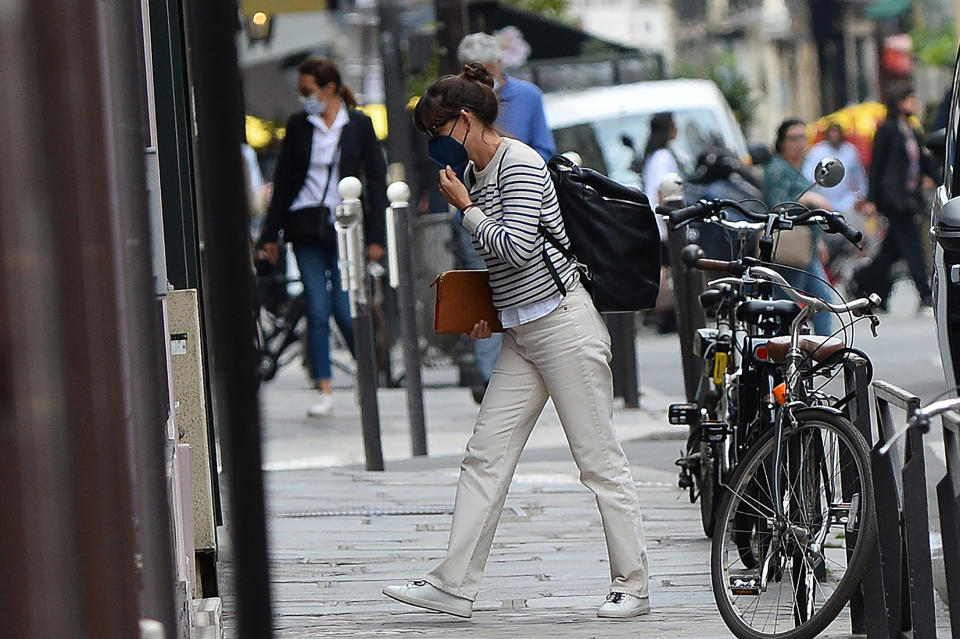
x=476, y=72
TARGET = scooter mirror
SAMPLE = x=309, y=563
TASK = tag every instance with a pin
x=829, y=172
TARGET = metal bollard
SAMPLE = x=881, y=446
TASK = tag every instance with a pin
x=687, y=285
x=353, y=279
x=402, y=278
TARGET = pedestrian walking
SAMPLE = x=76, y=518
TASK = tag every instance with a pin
x=784, y=182
x=520, y=116
x=555, y=345
x=900, y=169
x=326, y=141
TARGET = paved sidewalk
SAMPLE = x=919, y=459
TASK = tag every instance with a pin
x=338, y=534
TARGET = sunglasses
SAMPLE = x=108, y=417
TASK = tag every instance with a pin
x=432, y=130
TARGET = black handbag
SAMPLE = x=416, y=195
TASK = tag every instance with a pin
x=309, y=225
x=314, y=223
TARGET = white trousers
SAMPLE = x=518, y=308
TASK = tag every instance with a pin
x=564, y=355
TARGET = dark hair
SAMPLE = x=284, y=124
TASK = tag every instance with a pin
x=661, y=125
x=471, y=90
x=897, y=92
x=782, y=131
x=324, y=71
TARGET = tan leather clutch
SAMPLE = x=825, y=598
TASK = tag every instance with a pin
x=463, y=299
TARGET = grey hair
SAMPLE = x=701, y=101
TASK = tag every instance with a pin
x=478, y=47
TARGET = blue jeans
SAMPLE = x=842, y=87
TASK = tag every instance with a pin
x=321, y=289
x=485, y=350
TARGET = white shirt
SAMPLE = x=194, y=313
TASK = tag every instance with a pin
x=322, y=165
x=518, y=315
x=655, y=168
x=853, y=187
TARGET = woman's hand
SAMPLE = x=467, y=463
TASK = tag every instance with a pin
x=272, y=250
x=453, y=190
x=481, y=330
x=375, y=252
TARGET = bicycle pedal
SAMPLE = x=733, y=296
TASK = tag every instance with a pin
x=745, y=585
x=713, y=432
x=684, y=414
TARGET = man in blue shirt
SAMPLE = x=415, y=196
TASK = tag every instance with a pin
x=521, y=116
x=521, y=103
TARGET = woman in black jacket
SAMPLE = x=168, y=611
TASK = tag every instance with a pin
x=327, y=141
x=899, y=170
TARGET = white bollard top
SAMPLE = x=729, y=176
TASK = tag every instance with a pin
x=398, y=193
x=671, y=187
x=350, y=188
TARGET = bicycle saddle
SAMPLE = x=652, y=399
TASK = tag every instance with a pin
x=752, y=310
x=819, y=347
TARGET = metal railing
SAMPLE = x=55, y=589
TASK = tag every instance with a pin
x=901, y=571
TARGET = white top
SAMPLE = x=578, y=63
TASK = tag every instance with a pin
x=511, y=317
x=322, y=165
x=513, y=196
x=655, y=168
x=852, y=188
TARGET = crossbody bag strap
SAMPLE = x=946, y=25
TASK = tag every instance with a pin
x=333, y=161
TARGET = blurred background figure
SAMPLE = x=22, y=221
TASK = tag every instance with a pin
x=848, y=197
x=800, y=248
x=658, y=157
x=521, y=117
x=658, y=160
x=851, y=193
x=521, y=103
x=901, y=169
x=719, y=173
x=326, y=141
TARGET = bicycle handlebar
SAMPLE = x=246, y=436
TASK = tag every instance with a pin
x=703, y=209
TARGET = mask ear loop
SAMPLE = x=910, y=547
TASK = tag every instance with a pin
x=465, y=114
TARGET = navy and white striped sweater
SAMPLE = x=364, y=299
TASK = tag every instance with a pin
x=514, y=196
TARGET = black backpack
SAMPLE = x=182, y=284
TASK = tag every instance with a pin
x=613, y=236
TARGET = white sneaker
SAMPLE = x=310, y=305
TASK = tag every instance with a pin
x=620, y=605
x=423, y=595
x=323, y=405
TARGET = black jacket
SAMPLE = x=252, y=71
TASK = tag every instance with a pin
x=888, y=170
x=360, y=156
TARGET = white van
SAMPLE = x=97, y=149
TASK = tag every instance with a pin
x=599, y=122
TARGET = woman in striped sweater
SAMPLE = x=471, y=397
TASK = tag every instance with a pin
x=555, y=345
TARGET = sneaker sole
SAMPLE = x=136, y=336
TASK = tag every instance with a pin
x=435, y=606
x=623, y=615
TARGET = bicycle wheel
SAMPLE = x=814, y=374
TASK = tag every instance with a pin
x=788, y=576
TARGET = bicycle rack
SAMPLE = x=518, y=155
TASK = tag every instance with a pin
x=902, y=564
x=948, y=498
x=857, y=410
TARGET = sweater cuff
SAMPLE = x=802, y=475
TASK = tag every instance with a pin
x=472, y=218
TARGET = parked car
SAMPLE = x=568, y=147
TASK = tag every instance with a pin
x=609, y=126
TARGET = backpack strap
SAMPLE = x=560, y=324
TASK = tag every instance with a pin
x=567, y=253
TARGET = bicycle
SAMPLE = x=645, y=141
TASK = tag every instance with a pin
x=796, y=521
x=282, y=330
x=729, y=412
